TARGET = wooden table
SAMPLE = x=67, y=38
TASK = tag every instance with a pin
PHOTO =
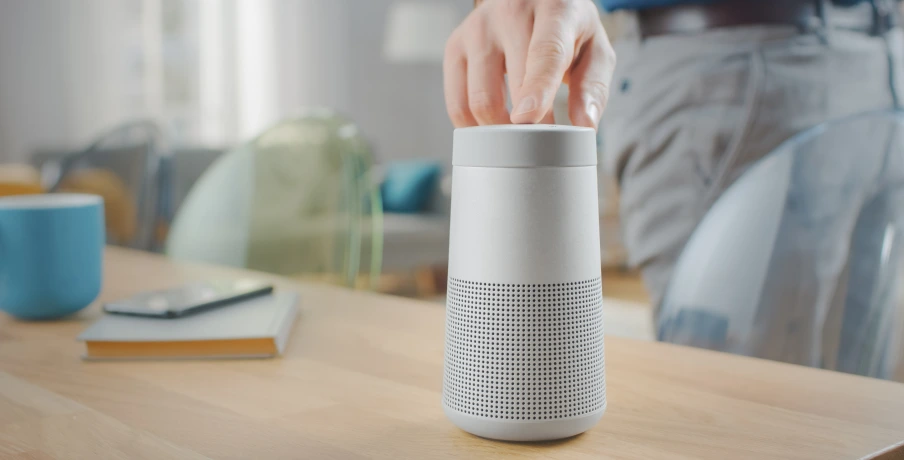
x=362, y=378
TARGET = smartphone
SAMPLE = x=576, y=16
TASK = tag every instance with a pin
x=189, y=299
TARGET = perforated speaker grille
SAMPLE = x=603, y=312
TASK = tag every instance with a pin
x=524, y=351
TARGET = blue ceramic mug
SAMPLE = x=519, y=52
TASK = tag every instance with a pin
x=51, y=251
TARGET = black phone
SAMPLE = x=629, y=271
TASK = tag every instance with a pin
x=190, y=298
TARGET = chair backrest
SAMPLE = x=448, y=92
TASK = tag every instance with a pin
x=297, y=200
x=800, y=260
x=122, y=165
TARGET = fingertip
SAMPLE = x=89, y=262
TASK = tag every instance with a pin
x=525, y=110
x=527, y=104
x=594, y=112
x=587, y=115
x=526, y=118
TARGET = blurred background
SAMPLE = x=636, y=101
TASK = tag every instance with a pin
x=307, y=138
x=215, y=73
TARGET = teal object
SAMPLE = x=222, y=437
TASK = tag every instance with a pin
x=408, y=186
x=51, y=253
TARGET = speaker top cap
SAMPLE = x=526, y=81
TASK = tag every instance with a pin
x=524, y=146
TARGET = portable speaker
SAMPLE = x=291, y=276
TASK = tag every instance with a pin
x=524, y=358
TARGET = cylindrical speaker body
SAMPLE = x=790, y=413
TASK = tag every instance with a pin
x=524, y=358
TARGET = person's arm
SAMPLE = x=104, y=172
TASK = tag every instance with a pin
x=538, y=44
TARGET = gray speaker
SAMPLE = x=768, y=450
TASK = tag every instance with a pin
x=524, y=356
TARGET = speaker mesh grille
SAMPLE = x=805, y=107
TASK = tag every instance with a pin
x=524, y=351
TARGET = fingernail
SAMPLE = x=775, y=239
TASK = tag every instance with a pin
x=593, y=111
x=527, y=104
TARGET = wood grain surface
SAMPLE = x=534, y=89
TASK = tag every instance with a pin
x=361, y=379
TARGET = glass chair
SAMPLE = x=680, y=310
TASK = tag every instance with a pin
x=297, y=200
x=800, y=260
x=123, y=165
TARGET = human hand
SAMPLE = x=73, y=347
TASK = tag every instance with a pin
x=538, y=44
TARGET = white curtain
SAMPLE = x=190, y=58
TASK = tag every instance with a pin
x=257, y=61
x=65, y=71
x=213, y=72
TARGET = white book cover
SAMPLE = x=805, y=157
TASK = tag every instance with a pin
x=267, y=317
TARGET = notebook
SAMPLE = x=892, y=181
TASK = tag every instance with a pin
x=256, y=328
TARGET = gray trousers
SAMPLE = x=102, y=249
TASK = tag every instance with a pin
x=689, y=112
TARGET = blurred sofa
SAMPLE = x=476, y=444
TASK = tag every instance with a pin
x=421, y=239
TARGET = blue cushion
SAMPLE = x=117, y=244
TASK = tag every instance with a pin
x=408, y=185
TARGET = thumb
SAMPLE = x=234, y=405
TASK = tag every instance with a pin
x=548, y=57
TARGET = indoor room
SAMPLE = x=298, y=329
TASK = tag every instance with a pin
x=451, y=229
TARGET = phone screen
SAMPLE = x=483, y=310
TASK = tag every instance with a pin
x=190, y=298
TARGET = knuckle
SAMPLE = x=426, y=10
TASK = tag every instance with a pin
x=606, y=51
x=476, y=33
x=451, y=61
x=558, y=6
x=485, y=56
x=548, y=59
x=551, y=48
x=481, y=103
x=453, y=45
x=450, y=47
x=564, y=9
x=513, y=7
x=604, y=97
x=599, y=90
x=589, y=10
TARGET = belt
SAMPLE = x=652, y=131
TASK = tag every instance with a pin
x=691, y=18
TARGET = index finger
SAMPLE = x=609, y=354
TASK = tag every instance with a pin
x=549, y=55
